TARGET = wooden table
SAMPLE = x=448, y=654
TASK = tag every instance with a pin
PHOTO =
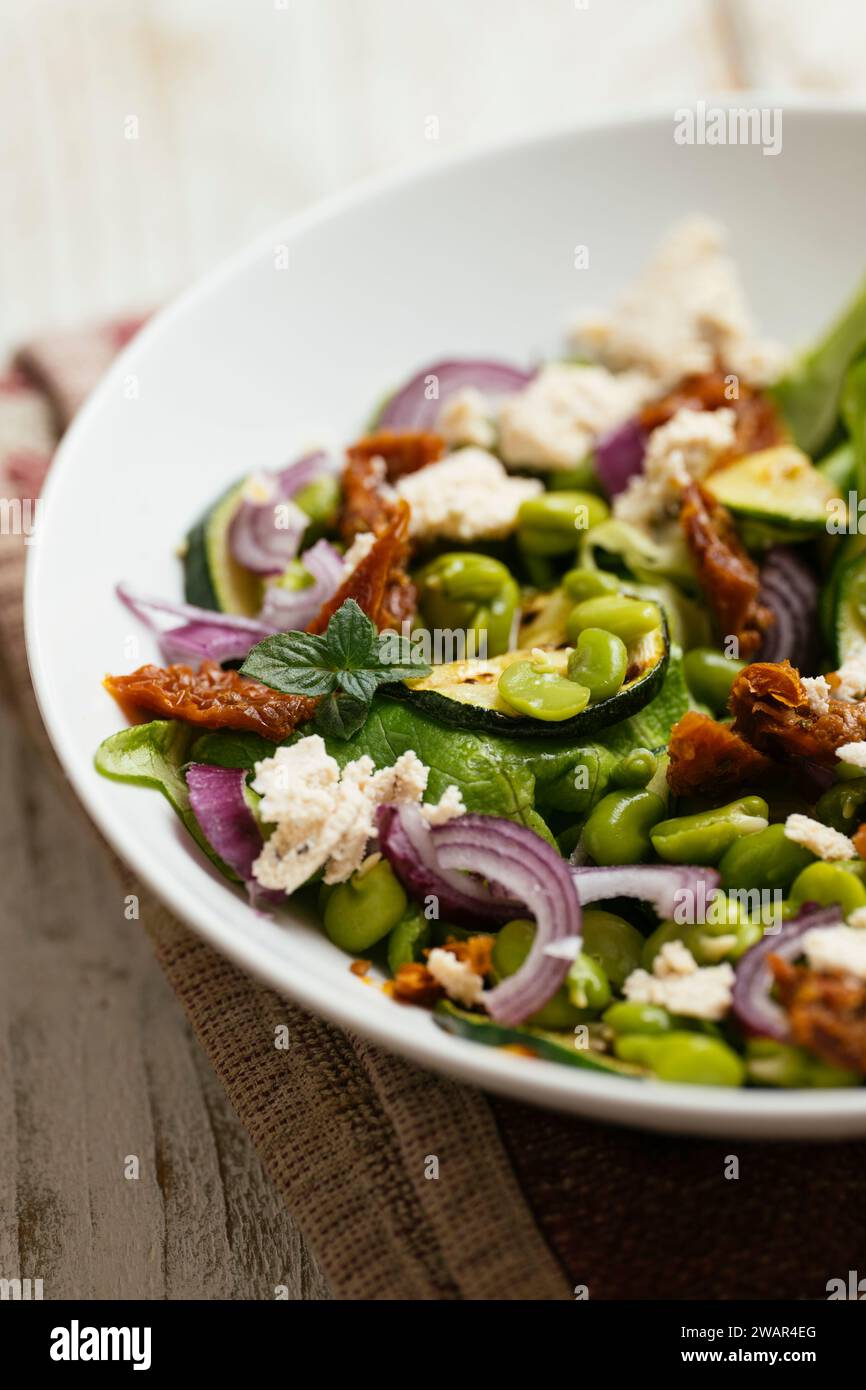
x=140, y=144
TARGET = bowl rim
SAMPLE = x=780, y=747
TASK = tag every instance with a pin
x=609, y=1099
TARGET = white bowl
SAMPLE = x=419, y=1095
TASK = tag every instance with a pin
x=475, y=256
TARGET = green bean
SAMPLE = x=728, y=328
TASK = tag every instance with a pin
x=628, y=618
x=475, y=592
x=704, y=837
x=689, y=1058
x=612, y=942
x=582, y=584
x=363, y=910
x=636, y=769
x=770, y=1063
x=541, y=694
x=599, y=662
x=767, y=860
x=408, y=939
x=510, y=949
x=586, y=984
x=709, y=675
x=552, y=523
x=826, y=884
x=647, y=1019
x=617, y=830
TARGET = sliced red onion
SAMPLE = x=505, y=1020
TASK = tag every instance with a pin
x=405, y=840
x=413, y=408
x=662, y=885
x=204, y=635
x=257, y=540
x=619, y=456
x=790, y=591
x=756, y=1011
x=532, y=873
x=216, y=795
x=292, y=610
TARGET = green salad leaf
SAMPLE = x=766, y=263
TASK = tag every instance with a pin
x=810, y=391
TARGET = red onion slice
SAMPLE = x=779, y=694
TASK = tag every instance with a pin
x=756, y=1011
x=292, y=610
x=405, y=840
x=216, y=795
x=619, y=456
x=257, y=540
x=412, y=408
x=790, y=591
x=532, y=873
x=661, y=885
x=204, y=635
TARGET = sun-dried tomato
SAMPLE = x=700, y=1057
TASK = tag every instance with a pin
x=771, y=710
x=378, y=584
x=414, y=984
x=213, y=698
x=476, y=951
x=826, y=1012
x=707, y=757
x=757, y=423
x=729, y=577
x=403, y=451
x=858, y=840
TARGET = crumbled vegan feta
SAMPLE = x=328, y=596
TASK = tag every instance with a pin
x=358, y=551
x=857, y=918
x=555, y=420
x=466, y=496
x=853, y=754
x=465, y=418
x=448, y=807
x=685, y=312
x=685, y=448
x=459, y=981
x=837, y=948
x=818, y=690
x=850, y=683
x=679, y=984
x=822, y=840
x=325, y=818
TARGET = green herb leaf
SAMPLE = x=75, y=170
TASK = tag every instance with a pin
x=346, y=665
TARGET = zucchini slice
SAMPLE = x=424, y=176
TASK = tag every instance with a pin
x=850, y=609
x=212, y=578
x=465, y=695
x=779, y=486
x=553, y=1047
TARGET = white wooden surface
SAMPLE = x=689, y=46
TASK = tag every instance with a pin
x=140, y=142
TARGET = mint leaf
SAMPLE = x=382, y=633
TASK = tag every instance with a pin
x=351, y=638
x=297, y=663
x=341, y=716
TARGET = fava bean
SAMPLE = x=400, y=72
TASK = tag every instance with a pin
x=767, y=860
x=582, y=478
x=842, y=806
x=552, y=523
x=320, y=499
x=826, y=884
x=363, y=910
x=612, y=942
x=709, y=675
x=583, y=584
x=628, y=618
x=599, y=662
x=647, y=1019
x=473, y=592
x=586, y=984
x=529, y=689
x=704, y=837
x=692, y=1059
x=636, y=769
x=771, y=1063
x=510, y=949
x=408, y=939
x=617, y=830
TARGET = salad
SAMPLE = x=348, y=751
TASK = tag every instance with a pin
x=548, y=697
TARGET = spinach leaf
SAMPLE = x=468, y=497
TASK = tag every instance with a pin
x=809, y=393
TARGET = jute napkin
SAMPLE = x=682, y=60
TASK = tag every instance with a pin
x=527, y=1204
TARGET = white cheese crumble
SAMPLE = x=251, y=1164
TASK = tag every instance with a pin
x=466, y=496
x=857, y=918
x=851, y=679
x=325, y=818
x=685, y=312
x=358, y=551
x=459, y=981
x=679, y=984
x=837, y=948
x=555, y=420
x=684, y=449
x=822, y=840
x=465, y=418
x=818, y=691
x=853, y=753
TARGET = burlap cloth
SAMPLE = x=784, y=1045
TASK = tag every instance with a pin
x=528, y=1205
